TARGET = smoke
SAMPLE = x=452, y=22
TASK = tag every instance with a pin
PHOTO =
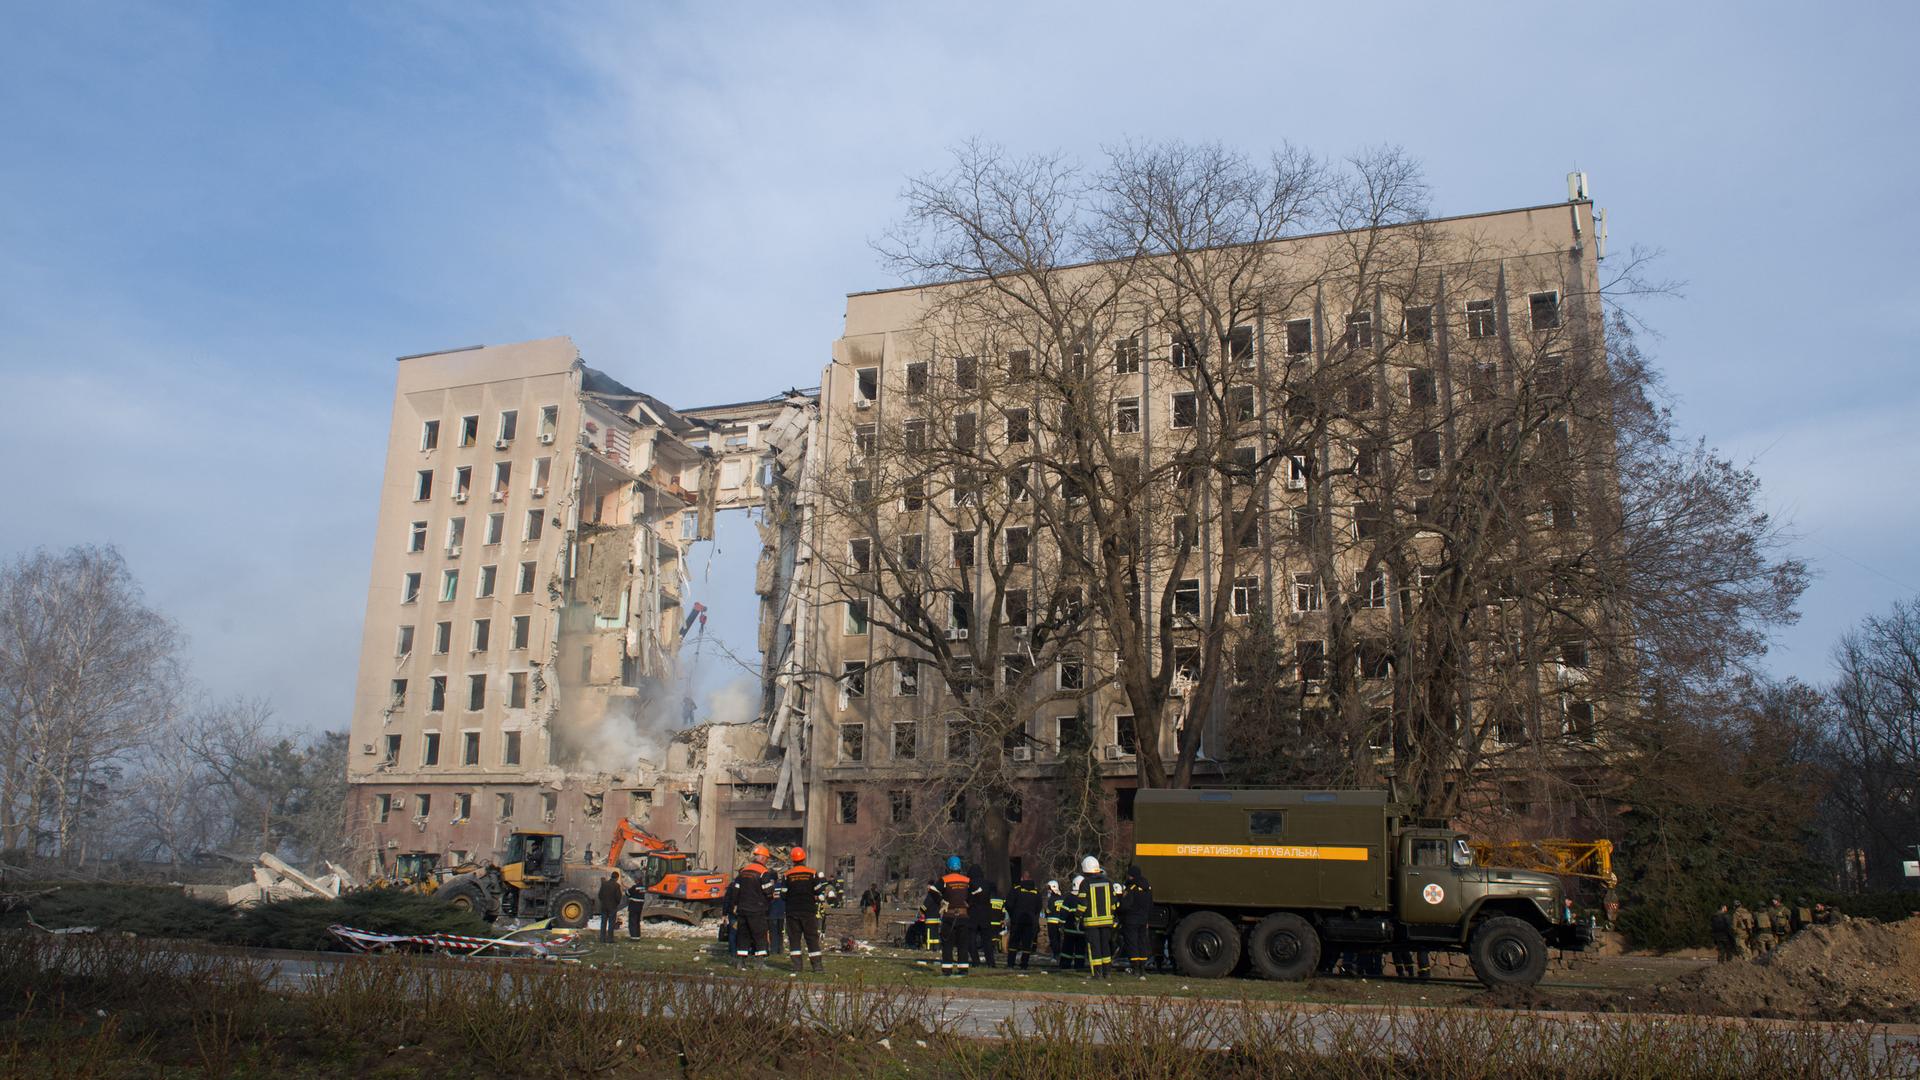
x=630, y=730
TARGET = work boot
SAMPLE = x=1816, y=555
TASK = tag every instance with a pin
x=819, y=966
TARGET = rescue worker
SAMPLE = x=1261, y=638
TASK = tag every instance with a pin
x=1054, y=905
x=1782, y=919
x=1073, y=942
x=636, y=906
x=803, y=912
x=1096, y=918
x=997, y=924
x=870, y=910
x=1721, y=924
x=950, y=892
x=1742, y=930
x=930, y=915
x=1023, y=921
x=610, y=894
x=777, y=915
x=1412, y=963
x=752, y=902
x=1136, y=908
x=980, y=900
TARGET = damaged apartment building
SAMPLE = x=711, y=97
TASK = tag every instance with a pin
x=522, y=659
x=528, y=604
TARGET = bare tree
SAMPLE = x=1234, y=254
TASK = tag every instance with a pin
x=1872, y=745
x=88, y=673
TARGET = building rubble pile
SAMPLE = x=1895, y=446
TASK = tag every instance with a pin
x=276, y=879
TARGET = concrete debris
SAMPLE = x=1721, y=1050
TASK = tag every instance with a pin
x=276, y=879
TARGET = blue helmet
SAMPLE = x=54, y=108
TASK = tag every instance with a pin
x=953, y=864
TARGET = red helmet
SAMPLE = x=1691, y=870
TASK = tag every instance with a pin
x=799, y=854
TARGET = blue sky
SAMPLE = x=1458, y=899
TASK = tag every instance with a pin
x=219, y=222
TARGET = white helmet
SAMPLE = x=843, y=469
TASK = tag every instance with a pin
x=1089, y=865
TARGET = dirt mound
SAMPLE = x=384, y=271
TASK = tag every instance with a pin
x=1856, y=970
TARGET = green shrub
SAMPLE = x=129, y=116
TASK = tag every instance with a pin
x=302, y=923
x=145, y=910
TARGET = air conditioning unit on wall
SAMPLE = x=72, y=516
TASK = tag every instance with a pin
x=1116, y=752
x=1021, y=753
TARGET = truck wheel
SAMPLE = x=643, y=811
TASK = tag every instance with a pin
x=1284, y=947
x=1206, y=945
x=570, y=908
x=1506, y=951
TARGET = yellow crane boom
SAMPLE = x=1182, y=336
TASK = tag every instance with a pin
x=1570, y=858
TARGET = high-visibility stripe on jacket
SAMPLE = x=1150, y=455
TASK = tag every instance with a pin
x=1096, y=902
x=953, y=894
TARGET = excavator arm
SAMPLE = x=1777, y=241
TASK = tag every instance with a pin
x=626, y=832
x=1567, y=858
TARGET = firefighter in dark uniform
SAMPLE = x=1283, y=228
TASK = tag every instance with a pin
x=1136, y=907
x=752, y=900
x=949, y=896
x=980, y=900
x=1061, y=938
x=996, y=926
x=636, y=905
x=1096, y=918
x=803, y=912
x=930, y=916
x=1023, y=921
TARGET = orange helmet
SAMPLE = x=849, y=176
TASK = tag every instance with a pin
x=799, y=854
x=760, y=851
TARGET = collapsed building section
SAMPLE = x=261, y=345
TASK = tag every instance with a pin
x=520, y=668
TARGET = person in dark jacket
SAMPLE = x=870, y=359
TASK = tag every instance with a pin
x=752, y=902
x=636, y=906
x=980, y=901
x=1023, y=921
x=1136, y=908
x=610, y=896
x=803, y=912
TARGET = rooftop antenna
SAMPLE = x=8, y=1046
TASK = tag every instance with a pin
x=1576, y=187
x=1600, y=233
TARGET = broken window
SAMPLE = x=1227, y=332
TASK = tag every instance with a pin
x=488, y=579
x=1017, y=489
x=960, y=611
x=449, y=584
x=523, y=584
x=510, y=748
x=417, y=536
x=1422, y=393
x=963, y=549
x=966, y=372
x=502, y=474
x=516, y=690
x=469, y=748
x=1544, y=309
x=382, y=808
x=1549, y=373
x=1013, y=607
x=1360, y=330
x=959, y=740
x=393, y=749
x=861, y=492
x=906, y=679
x=1312, y=658
x=430, y=749
x=549, y=422
x=914, y=434
x=1426, y=452
x=900, y=805
x=509, y=424
x=853, y=742
x=496, y=527
x=1360, y=395
x=1299, y=337
x=442, y=638
x=456, y=534
x=1306, y=593
x=1366, y=461
x=1480, y=319
x=860, y=554
x=865, y=437
x=462, y=482
x=917, y=377
x=1124, y=735
x=849, y=807
x=522, y=625
x=853, y=677
x=1018, y=429
x=404, y=644
x=1375, y=659
x=1509, y=727
x=856, y=617
x=913, y=495
x=910, y=552
x=1484, y=382
x=1579, y=722
x=469, y=430
x=397, y=694
x=1369, y=521
x=410, y=588
x=1185, y=533
x=1573, y=654
x=1186, y=409
x=1296, y=472
x=1126, y=415
x=422, y=805
x=1184, y=352
x=476, y=692
x=1070, y=675
x=1303, y=523
x=1370, y=588
x=534, y=524
x=430, y=435
x=503, y=805
x=1126, y=355
x=423, y=485
x=1240, y=345
x=866, y=383
x=1240, y=404
x=1186, y=598
x=1019, y=364
x=1418, y=322
x=1068, y=731
x=1246, y=595
x=1017, y=539
x=482, y=632
x=964, y=427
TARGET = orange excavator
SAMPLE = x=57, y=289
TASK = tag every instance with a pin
x=673, y=891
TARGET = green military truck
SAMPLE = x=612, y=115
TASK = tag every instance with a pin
x=1278, y=876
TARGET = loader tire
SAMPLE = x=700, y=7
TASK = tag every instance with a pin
x=465, y=896
x=1506, y=951
x=571, y=908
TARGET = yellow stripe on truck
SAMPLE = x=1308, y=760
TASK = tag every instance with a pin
x=1253, y=851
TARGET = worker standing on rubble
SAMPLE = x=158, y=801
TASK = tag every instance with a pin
x=803, y=912
x=610, y=895
x=752, y=901
x=1023, y=921
x=949, y=894
x=636, y=906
